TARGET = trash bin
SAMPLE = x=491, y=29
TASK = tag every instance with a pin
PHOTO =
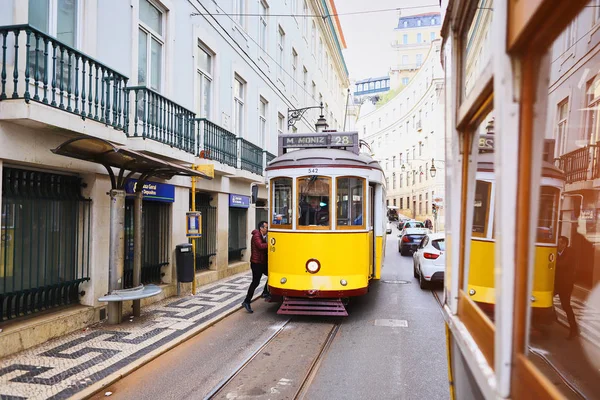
x=184, y=257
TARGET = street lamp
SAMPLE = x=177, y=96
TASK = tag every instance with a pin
x=321, y=124
x=432, y=170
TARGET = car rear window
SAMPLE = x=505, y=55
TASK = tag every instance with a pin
x=439, y=244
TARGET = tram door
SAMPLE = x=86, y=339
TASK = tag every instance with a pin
x=372, y=237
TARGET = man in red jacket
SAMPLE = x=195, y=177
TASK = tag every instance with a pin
x=258, y=262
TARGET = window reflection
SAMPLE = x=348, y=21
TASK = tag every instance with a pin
x=564, y=338
x=313, y=192
x=282, y=202
x=477, y=45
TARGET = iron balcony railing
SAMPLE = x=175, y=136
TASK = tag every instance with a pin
x=217, y=143
x=45, y=70
x=251, y=157
x=158, y=118
x=576, y=164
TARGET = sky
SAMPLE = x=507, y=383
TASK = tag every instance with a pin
x=368, y=36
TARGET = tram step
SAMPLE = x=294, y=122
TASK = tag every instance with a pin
x=301, y=306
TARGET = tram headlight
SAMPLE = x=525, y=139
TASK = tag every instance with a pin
x=313, y=266
x=343, y=282
x=283, y=280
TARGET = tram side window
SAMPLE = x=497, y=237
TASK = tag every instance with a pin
x=313, y=200
x=282, y=201
x=547, y=219
x=350, y=201
x=481, y=208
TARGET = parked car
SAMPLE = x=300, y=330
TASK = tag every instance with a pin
x=429, y=259
x=410, y=239
x=410, y=223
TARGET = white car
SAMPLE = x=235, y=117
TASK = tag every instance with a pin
x=429, y=259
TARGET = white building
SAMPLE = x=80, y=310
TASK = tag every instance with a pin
x=406, y=136
x=191, y=82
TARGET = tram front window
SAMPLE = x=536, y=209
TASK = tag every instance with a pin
x=481, y=207
x=349, y=201
x=282, y=202
x=546, y=229
x=313, y=200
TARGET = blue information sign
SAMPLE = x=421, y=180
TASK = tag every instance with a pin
x=239, y=201
x=153, y=191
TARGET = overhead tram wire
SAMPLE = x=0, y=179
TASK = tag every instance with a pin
x=266, y=53
x=315, y=15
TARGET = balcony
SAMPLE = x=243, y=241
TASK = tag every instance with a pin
x=44, y=70
x=581, y=165
x=158, y=118
x=38, y=68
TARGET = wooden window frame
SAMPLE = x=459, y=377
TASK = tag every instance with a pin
x=297, y=205
x=272, y=197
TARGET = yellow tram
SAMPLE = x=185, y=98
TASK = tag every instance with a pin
x=327, y=222
x=522, y=220
x=481, y=278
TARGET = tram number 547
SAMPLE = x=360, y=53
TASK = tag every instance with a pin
x=313, y=170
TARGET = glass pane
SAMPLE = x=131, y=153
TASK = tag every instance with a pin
x=156, y=64
x=313, y=195
x=204, y=61
x=142, y=57
x=206, y=88
x=282, y=202
x=39, y=11
x=67, y=21
x=151, y=16
x=480, y=284
x=565, y=268
x=477, y=43
x=349, y=201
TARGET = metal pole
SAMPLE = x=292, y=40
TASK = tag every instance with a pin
x=346, y=113
x=194, y=167
x=116, y=257
x=137, y=244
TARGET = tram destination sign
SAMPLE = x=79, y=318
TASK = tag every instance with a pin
x=319, y=140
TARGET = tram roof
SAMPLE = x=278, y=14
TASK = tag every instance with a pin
x=323, y=158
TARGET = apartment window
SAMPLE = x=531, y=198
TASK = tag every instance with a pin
x=432, y=21
x=420, y=175
x=404, y=39
x=280, y=123
x=419, y=22
x=377, y=85
x=150, y=46
x=394, y=199
x=262, y=122
x=280, y=50
x=394, y=183
x=294, y=71
x=204, y=71
x=593, y=117
x=314, y=90
x=238, y=100
x=305, y=19
x=420, y=147
x=405, y=24
x=408, y=202
x=405, y=81
x=405, y=60
x=570, y=33
x=262, y=25
x=239, y=8
x=380, y=122
x=419, y=59
x=61, y=22
x=432, y=36
x=419, y=38
x=561, y=135
x=414, y=152
x=304, y=82
x=294, y=4
x=320, y=60
x=313, y=38
x=426, y=174
x=387, y=165
x=401, y=201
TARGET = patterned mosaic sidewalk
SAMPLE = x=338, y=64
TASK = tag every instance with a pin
x=61, y=368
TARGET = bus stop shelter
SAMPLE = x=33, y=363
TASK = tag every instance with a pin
x=127, y=163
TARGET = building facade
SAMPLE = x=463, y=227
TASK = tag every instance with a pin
x=371, y=88
x=188, y=82
x=405, y=135
x=413, y=37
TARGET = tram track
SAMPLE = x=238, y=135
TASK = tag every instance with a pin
x=275, y=351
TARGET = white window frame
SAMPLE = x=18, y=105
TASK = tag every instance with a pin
x=160, y=38
x=595, y=12
x=305, y=20
x=280, y=52
x=263, y=25
x=313, y=38
x=280, y=123
x=239, y=112
x=263, y=128
x=304, y=83
x=239, y=8
x=561, y=127
x=295, y=83
x=203, y=77
x=53, y=21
